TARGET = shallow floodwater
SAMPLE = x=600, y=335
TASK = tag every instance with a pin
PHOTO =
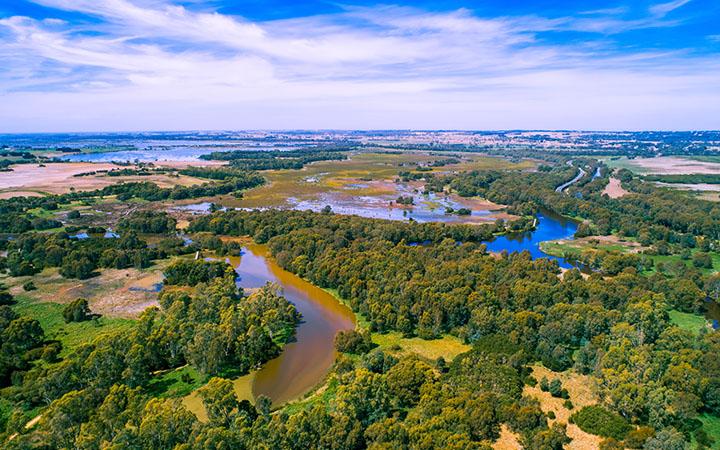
x=427, y=208
x=303, y=363
x=550, y=227
x=149, y=155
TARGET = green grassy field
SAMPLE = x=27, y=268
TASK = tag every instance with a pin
x=568, y=248
x=688, y=322
x=711, y=425
x=669, y=259
x=71, y=335
x=171, y=383
x=447, y=346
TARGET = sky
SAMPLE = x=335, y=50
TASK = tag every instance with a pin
x=127, y=65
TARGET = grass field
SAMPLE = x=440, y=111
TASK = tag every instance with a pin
x=448, y=346
x=609, y=243
x=71, y=335
x=171, y=383
x=711, y=425
x=688, y=322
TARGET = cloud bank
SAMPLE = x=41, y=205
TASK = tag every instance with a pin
x=149, y=65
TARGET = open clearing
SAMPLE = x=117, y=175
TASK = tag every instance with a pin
x=448, y=346
x=582, y=393
x=58, y=178
x=614, y=189
x=507, y=440
x=115, y=292
x=666, y=165
x=71, y=335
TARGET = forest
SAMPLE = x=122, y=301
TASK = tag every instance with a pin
x=615, y=324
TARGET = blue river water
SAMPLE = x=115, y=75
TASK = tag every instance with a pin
x=550, y=227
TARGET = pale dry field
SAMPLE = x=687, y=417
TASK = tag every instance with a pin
x=59, y=178
x=668, y=165
x=11, y=194
x=507, y=440
x=702, y=187
x=115, y=292
x=614, y=189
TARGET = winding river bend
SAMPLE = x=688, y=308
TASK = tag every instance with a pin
x=305, y=362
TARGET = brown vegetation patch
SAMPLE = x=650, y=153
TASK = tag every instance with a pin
x=674, y=165
x=614, y=189
x=11, y=194
x=115, y=292
x=582, y=393
x=59, y=178
x=507, y=440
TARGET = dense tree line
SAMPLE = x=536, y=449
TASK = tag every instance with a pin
x=30, y=253
x=155, y=222
x=192, y=272
x=278, y=159
x=695, y=178
x=264, y=225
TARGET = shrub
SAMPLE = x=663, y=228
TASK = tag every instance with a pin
x=555, y=388
x=74, y=214
x=611, y=444
x=351, y=341
x=191, y=272
x=544, y=384
x=6, y=298
x=77, y=311
x=598, y=420
x=29, y=286
x=636, y=438
x=568, y=404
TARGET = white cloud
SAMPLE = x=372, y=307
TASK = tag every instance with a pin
x=663, y=9
x=154, y=65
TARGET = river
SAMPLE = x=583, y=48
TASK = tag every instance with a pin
x=550, y=227
x=305, y=361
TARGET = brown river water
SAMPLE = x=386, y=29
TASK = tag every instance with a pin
x=306, y=361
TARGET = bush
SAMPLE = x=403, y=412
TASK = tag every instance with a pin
x=192, y=272
x=568, y=404
x=6, y=298
x=351, y=341
x=544, y=384
x=29, y=286
x=636, y=438
x=74, y=214
x=77, y=311
x=598, y=420
x=555, y=388
x=611, y=444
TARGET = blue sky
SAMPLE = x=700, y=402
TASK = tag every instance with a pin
x=93, y=65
